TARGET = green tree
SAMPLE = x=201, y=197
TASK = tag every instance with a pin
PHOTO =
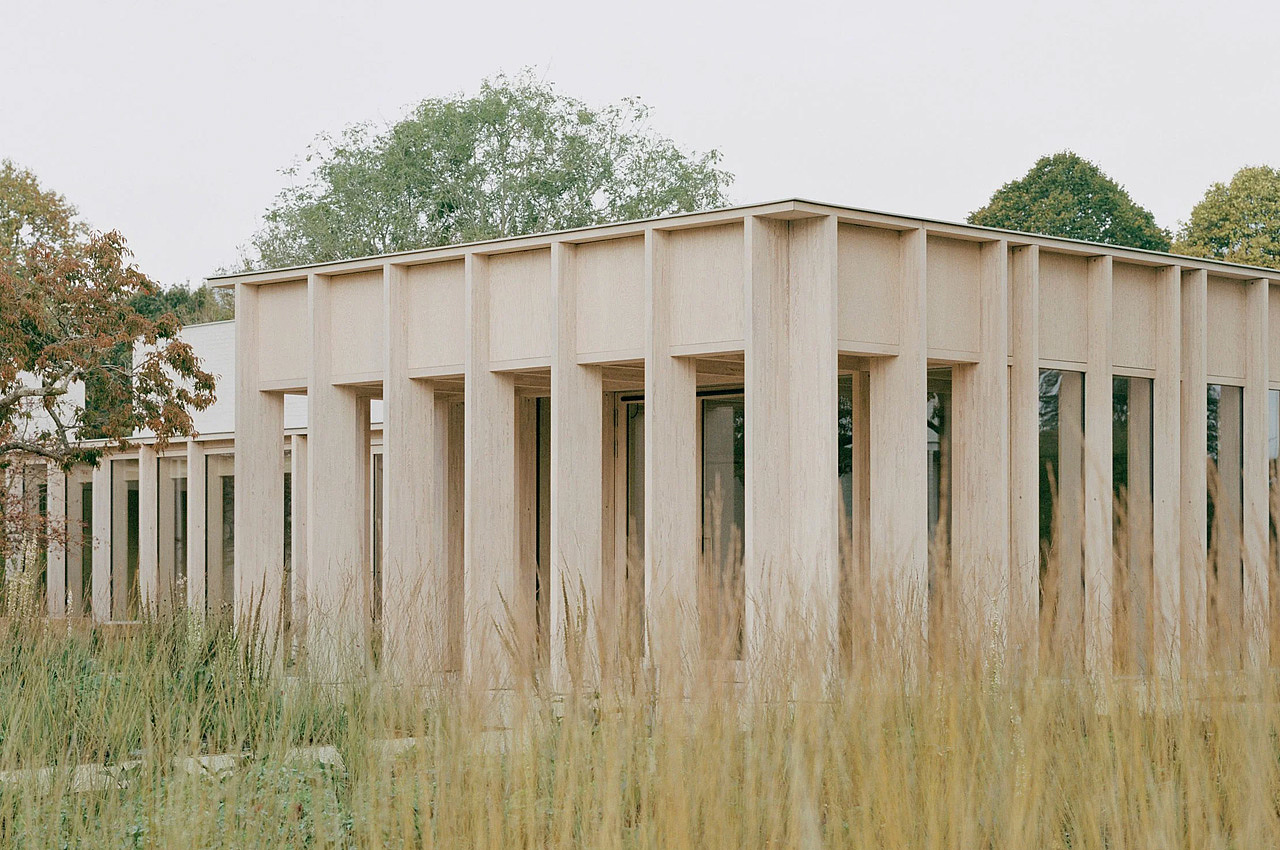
x=1238, y=221
x=518, y=157
x=1066, y=195
x=189, y=306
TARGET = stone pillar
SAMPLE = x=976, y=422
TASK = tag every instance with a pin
x=338, y=567
x=579, y=644
x=57, y=529
x=980, y=542
x=1166, y=473
x=259, y=480
x=197, y=522
x=899, y=470
x=498, y=609
x=813, y=405
x=792, y=401
x=767, y=555
x=102, y=541
x=413, y=526
x=1099, y=542
x=1257, y=485
x=1195, y=452
x=1024, y=458
x=672, y=502
x=149, y=590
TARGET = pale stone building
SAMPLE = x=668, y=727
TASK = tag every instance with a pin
x=703, y=420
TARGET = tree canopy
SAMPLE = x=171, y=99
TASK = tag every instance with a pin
x=1066, y=195
x=1238, y=222
x=518, y=157
x=68, y=319
x=189, y=305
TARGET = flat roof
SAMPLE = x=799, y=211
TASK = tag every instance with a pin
x=785, y=208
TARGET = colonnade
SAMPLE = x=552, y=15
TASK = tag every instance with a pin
x=457, y=343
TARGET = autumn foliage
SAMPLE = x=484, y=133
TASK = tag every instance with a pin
x=77, y=360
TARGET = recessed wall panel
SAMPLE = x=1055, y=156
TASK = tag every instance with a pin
x=437, y=302
x=954, y=301
x=285, y=341
x=1064, y=307
x=355, y=323
x=868, y=259
x=520, y=305
x=610, y=308
x=1226, y=327
x=704, y=268
x=1133, y=316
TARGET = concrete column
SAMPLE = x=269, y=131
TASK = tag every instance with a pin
x=149, y=589
x=672, y=501
x=298, y=531
x=338, y=567
x=498, y=608
x=197, y=522
x=813, y=401
x=259, y=480
x=980, y=535
x=1069, y=614
x=1024, y=457
x=767, y=552
x=1166, y=473
x=1099, y=539
x=57, y=528
x=1257, y=485
x=1195, y=452
x=413, y=527
x=899, y=469
x=102, y=541
x=579, y=644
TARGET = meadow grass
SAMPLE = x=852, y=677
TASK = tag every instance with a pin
x=962, y=756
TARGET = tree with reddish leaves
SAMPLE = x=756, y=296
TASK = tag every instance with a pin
x=78, y=361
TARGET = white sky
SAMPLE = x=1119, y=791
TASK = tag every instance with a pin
x=169, y=121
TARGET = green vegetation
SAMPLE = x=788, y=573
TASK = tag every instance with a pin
x=1238, y=221
x=1066, y=195
x=518, y=157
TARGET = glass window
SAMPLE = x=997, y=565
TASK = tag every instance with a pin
x=79, y=542
x=124, y=540
x=1131, y=478
x=1062, y=515
x=938, y=409
x=634, y=561
x=286, y=584
x=1273, y=469
x=172, y=528
x=723, y=522
x=220, y=532
x=1225, y=520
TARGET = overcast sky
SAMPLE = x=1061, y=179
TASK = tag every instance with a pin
x=170, y=121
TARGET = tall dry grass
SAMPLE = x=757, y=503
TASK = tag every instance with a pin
x=963, y=755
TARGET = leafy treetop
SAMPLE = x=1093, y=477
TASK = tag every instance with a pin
x=1066, y=195
x=518, y=157
x=1238, y=222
